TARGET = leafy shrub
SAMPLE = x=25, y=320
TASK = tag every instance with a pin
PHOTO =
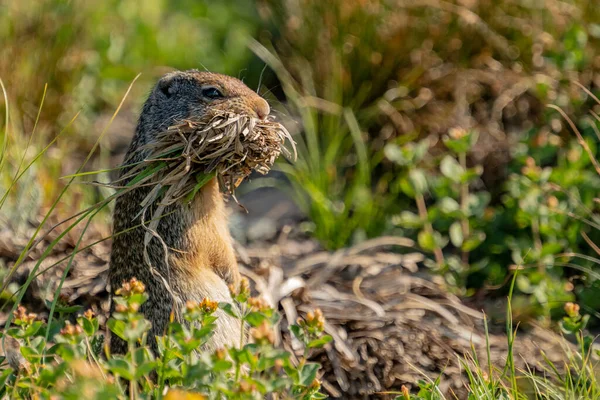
x=548, y=200
x=65, y=359
x=380, y=95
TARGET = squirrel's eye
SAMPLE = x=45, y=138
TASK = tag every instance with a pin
x=212, y=93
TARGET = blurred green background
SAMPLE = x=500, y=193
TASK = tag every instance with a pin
x=426, y=119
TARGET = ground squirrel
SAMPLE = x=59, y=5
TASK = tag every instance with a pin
x=200, y=261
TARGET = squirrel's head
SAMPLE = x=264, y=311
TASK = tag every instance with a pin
x=185, y=95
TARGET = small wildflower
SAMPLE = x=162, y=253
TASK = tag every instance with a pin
x=572, y=309
x=133, y=286
x=89, y=314
x=405, y=392
x=124, y=290
x=530, y=162
x=552, y=202
x=22, y=317
x=244, y=287
x=315, y=384
x=208, y=306
x=457, y=133
x=191, y=306
x=232, y=289
x=20, y=312
x=63, y=299
x=220, y=354
x=316, y=320
x=121, y=308
x=242, y=292
x=71, y=330
x=263, y=334
x=530, y=167
x=247, y=387
x=258, y=304
x=137, y=286
x=278, y=365
x=129, y=308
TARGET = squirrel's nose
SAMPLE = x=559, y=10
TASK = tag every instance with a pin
x=261, y=107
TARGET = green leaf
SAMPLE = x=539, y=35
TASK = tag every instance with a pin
x=134, y=332
x=139, y=298
x=63, y=309
x=4, y=375
x=318, y=343
x=66, y=351
x=117, y=327
x=19, y=333
x=33, y=328
x=426, y=240
x=245, y=356
x=394, y=153
x=448, y=205
x=228, y=308
x=30, y=354
x=477, y=202
x=88, y=326
x=51, y=373
x=406, y=187
x=308, y=373
x=461, y=144
x=451, y=168
x=418, y=180
x=144, y=369
x=471, y=174
x=298, y=332
x=456, y=234
x=408, y=219
x=255, y=318
x=121, y=367
x=473, y=241
x=551, y=248
x=222, y=366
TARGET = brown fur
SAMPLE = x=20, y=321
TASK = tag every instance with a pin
x=200, y=260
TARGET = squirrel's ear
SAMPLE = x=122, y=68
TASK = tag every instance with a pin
x=167, y=85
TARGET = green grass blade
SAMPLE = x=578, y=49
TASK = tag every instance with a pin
x=61, y=194
x=35, y=159
x=6, y=122
x=68, y=268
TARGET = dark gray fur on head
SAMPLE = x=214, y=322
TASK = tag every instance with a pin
x=175, y=97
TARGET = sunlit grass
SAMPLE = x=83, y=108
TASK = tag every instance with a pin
x=340, y=201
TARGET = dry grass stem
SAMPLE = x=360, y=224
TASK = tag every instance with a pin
x=186, y=155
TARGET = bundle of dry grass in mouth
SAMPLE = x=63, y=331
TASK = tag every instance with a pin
x=224, y=145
